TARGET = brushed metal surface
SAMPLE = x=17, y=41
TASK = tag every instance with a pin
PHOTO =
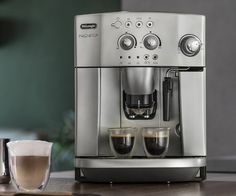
x=108, y=70
x=87, y=41
x=175, y=146
x=193, y=112
x=103, y=50
x=141, y=163
x=125, y=122
x=87, y=111
x=110, y=107
x=190, y=45
x=138, y=80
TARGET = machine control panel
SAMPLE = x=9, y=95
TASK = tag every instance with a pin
x=190, y=45
x=117, y=24
x=146, y=41
x=151, y=41
x=141, y=39
x=129, y=24
x=127, y=41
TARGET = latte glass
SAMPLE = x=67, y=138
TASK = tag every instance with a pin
x=155, y=141
x=122, y=141
x=29, y=162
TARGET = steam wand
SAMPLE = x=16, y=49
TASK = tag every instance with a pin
x=167, y=87
x=175, y=70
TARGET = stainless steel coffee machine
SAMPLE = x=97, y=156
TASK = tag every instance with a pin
x=135, y=69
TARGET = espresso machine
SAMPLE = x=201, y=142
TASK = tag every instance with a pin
x=140, y=69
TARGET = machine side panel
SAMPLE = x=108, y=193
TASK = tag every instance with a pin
x=110, y=107
x=87, y=111
x=193, y=114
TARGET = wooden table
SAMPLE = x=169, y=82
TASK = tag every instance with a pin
x=209, y=187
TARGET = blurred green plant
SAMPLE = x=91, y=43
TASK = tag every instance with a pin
x=63, y=148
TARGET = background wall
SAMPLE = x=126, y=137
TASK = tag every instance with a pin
x=36, y=69
x=36, y=59
x=221, y=71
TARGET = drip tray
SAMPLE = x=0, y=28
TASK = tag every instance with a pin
x=140, y=162
x=140, y=170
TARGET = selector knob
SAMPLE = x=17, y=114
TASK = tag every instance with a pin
x=127, y=42
x=190, y=45
x=151, y=41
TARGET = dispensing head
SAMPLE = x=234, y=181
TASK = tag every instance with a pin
x=139, y=94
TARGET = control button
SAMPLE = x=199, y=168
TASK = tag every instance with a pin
x=149, y=24
x=128, y=24
x=139, y=24
x=190, y=45
x=116, y=24
x=127, y=42
x=146, y=57
x=155, y=57
x=151, y=41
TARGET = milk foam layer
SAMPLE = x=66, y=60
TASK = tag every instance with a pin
x=30, y=148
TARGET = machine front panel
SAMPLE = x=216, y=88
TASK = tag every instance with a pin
x=110, y=107
x=137, y=69
x=87, y=87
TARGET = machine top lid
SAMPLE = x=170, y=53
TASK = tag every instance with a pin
x=140, y=12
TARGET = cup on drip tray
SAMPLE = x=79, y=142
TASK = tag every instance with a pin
x=155, y=141
x=122, y=141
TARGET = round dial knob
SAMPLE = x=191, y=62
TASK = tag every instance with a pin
x=190, y=45
x=151, y=42
x=127, y=42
